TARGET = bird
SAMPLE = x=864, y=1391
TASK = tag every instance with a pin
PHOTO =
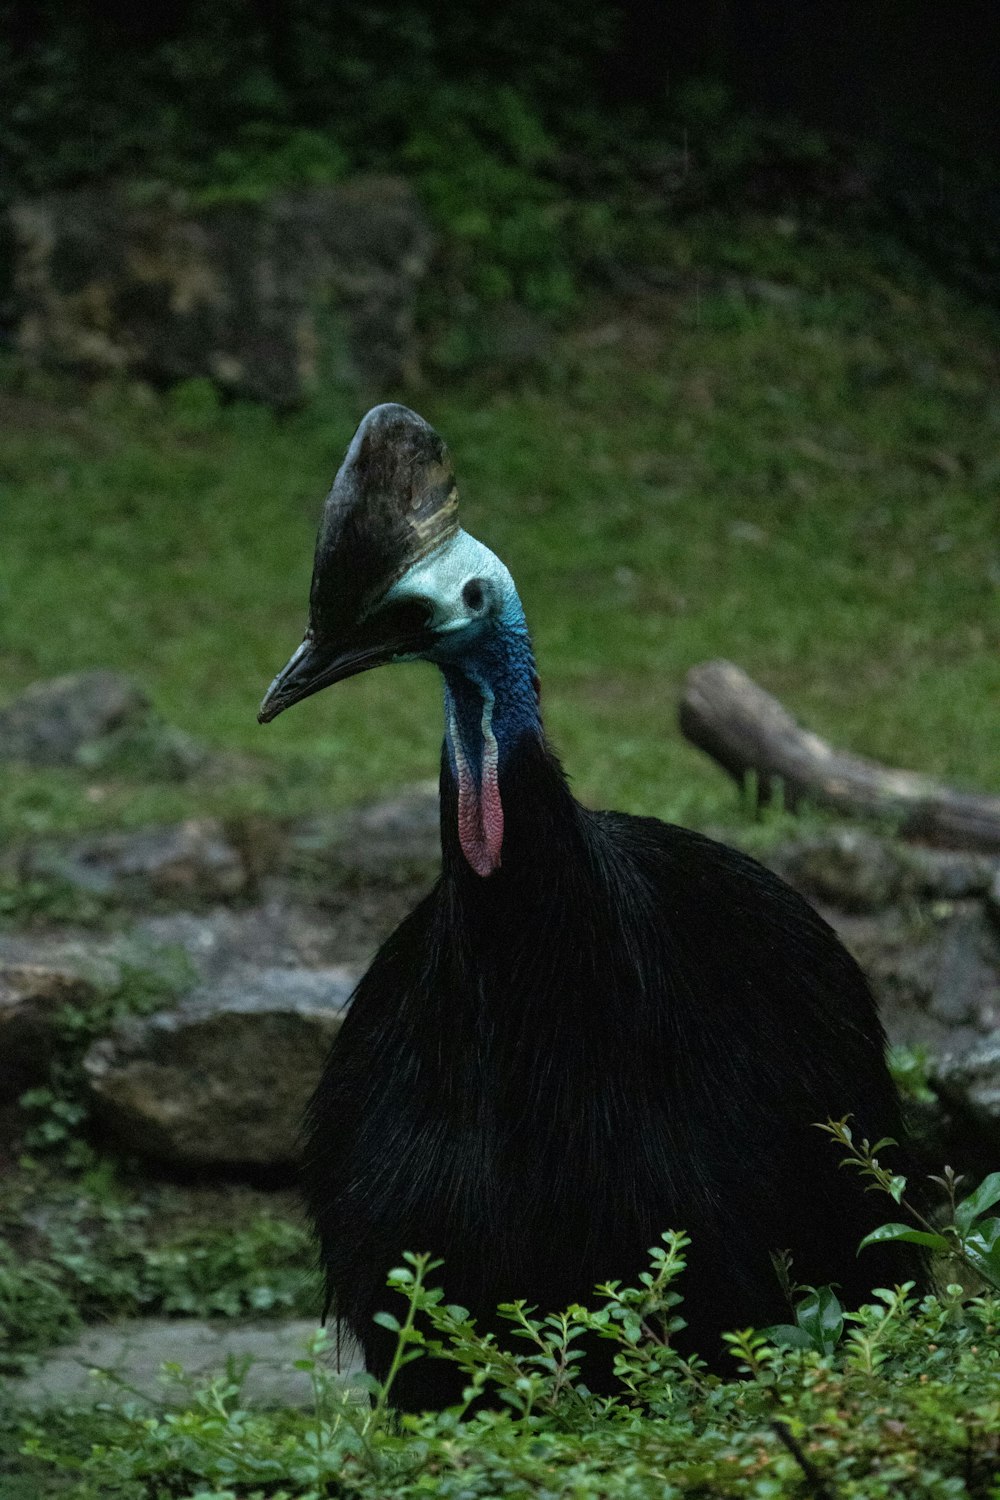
x=595, y=1027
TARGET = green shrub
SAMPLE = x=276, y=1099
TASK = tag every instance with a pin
x=907, y=1403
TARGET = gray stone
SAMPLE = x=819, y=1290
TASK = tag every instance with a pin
x=187, y=862
x=101, y=721
x=950, y=874
x=32, y=997
x=935, y=974
x=966, y=986
x=277, y=932
x=92, y=956
x=970, y=1082
x=132, y=1354
x=389, y=844
x=263, y=298
x=858, y=871
x=52, y=722
x=850, y=869
x=222, y=1079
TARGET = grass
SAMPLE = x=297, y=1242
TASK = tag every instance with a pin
x=790, y=460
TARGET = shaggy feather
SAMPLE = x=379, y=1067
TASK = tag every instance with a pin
x=627, y=1028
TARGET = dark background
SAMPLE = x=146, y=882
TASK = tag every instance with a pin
x=905, y=90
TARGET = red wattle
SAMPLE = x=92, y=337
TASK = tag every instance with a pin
x=480, y=819
x=480, y=811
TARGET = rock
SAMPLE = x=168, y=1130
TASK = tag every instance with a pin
x=936, y=976
x=90, y=955
x=391, y=844
x=950, y=874
x=151, y=750
x=135, y=1351
x=223, y=1079
x=993, y=899
x=966, y=984
x=971, y=1085
x=857, y=871
x=275, y=933
x=100, y=720
x=187, y=862
x=261, y=297
x=53, y=721
x=848, y=868
x=32, y=996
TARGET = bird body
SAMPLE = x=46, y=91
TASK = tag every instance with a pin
x=594, y=1028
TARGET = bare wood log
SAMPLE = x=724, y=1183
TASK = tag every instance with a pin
x=750, y=734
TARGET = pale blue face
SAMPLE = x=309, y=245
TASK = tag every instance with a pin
x=470, y=597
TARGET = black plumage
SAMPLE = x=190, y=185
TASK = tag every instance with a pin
x=622, y=1027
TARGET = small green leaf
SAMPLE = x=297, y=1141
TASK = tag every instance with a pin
x=789, y=1336
x=386, y=1320
x=983, y=1249
x=977, y=1203
x=888, y=1233
x=824, y=1321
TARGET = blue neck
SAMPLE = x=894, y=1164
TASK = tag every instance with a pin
x=491, y=694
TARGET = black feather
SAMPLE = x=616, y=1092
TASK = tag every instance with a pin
x=627, y=1028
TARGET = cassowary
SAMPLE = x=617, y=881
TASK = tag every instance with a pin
x=596, y=1026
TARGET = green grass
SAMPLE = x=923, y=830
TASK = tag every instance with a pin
x=802, y=481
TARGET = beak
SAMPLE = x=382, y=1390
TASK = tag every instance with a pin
x=316, y=665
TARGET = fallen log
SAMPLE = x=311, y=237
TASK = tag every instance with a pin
x=754, y=737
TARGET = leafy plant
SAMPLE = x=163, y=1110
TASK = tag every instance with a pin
x=36, y=1310
x=971, y=1234
x=819, y=1322
x=909, y=1406
x=910, y=1069
x=47, y=898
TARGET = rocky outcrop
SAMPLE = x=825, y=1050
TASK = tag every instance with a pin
x=969, y=1083
x=54, y=720
x=923, y=925
x=33, y=996
x=857, y=871
x=935, y=973
x=389, y=844
x=264, y=298
x=223, y=1079
x=190, y=862
x=98, y=720
x=156, y=1359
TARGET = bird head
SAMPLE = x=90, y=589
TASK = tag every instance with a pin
x=394, y=576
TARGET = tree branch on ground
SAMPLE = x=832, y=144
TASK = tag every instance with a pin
x=754, y=738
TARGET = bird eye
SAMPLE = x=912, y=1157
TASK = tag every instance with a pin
x=408, y=617
x=473, y=595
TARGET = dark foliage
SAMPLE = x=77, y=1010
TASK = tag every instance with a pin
x=248, y=96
